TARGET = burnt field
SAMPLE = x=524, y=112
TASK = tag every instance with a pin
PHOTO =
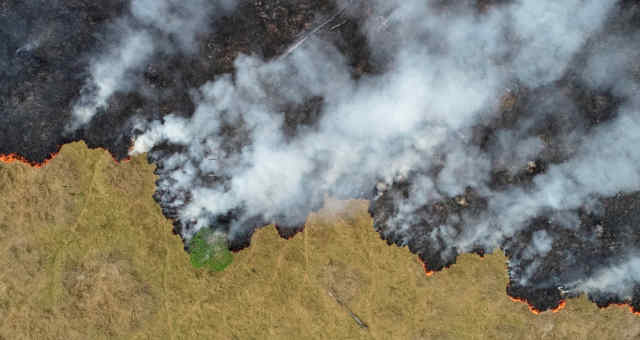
x=469, y=127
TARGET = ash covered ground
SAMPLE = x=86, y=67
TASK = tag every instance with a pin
x=469, y=126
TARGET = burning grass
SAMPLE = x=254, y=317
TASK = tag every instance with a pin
x=11, y=158
x=87, y=254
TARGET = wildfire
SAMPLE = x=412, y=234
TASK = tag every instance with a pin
x=531, y=308
x=124, y=160
x=534, y=310
x=560, y=307
x=424, y=267
x=12, y=158
x=624, y=305
x=286, y=235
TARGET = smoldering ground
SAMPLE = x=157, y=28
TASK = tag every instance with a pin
x=470, y=126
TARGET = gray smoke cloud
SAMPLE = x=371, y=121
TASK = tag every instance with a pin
x=618, y=278
x=170, y=26
x=446, y=71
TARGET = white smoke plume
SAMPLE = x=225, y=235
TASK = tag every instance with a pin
x=110, y=73
x=168, y=25
x=446, y=72
x=618, y=278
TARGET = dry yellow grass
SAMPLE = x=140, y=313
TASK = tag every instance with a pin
x=86, y=254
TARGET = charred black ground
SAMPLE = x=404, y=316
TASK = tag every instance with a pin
x=48, y=45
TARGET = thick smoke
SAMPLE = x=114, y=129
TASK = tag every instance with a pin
x=168, y=26
x=408, y=133
x=619, y=278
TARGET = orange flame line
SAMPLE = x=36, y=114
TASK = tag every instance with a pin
x=12, y=158
x=531, y=308
x=560, y=307
x=424, y=267
x=623, y=305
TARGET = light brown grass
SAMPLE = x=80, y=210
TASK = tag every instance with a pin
x=86, y=254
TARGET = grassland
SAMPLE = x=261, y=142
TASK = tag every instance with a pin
x=86, y=254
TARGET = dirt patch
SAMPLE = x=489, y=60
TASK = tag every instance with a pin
x=347, y=282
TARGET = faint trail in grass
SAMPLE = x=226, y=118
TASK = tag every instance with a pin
x=60, y=256
x=279, y=263
x=164, y=282
x=58, y=262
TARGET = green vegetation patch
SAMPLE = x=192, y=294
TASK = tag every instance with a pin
x=209, y=250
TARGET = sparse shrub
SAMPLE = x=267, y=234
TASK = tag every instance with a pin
x=209, y=250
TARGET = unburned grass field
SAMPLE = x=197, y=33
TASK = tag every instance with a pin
x=86, y=254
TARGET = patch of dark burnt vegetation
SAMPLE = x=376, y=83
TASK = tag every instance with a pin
x=425, y=235
x=539, y=299
x=604, y=300
x=288, y=231
x=42, y=58
x=44, y=75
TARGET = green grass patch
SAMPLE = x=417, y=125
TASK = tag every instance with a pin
x=209, y=250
